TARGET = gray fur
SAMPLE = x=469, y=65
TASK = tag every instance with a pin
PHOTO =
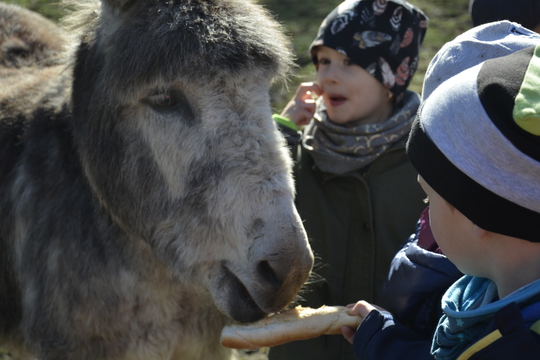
x=130, y=227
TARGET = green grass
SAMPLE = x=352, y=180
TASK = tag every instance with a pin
x=47, y=8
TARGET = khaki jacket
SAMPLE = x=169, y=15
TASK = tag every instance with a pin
x=356, y=223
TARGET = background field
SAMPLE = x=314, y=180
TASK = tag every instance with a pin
x=301, y=19
x=448, y=18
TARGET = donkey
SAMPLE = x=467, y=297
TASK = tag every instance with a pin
x=146, y=197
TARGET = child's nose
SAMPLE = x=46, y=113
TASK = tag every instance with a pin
x=331, y=75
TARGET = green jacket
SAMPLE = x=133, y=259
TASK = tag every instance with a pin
x=356, y=223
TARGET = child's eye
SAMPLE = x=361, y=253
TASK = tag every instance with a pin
x=426, y=200
x=348, y=62
x=324, y=61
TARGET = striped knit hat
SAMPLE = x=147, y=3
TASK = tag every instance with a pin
x=476, y=142
x=474, y=47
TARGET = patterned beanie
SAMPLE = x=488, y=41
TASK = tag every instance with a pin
x=476, y=141
x=382, y=36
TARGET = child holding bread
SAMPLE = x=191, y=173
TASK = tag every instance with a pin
x=476, y=147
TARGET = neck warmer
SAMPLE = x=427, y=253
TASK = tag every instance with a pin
x=469, y=306
x=337, y=149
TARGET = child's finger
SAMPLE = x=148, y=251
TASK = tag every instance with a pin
x=310, y=106
x=316, y=89
x=306, y=90
x=312, y=87
x=361, y=308
x=348, y=333
x=303, y=118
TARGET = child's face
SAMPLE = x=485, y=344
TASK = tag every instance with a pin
x=455, y=234
x=351, y=95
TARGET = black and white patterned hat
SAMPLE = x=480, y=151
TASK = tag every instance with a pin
x=476, y=139
x=382, y=36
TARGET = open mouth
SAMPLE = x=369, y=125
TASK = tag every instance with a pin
x=337, y=100
x=242, y=306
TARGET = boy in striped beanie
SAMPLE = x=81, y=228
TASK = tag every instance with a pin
x=476, y=146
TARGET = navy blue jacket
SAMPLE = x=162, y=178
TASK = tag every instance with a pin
x=419, y=275
x=374, y=341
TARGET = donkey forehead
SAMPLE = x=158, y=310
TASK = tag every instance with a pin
x=193, y=38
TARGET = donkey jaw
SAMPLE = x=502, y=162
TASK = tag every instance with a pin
x=245, y=297
x=240, y=304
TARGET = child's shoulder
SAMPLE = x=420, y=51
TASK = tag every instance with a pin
x=514, y=333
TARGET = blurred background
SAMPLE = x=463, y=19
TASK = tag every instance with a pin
x=301, y=20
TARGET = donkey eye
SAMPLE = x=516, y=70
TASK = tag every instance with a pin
x=170, y=103
x=164, y=101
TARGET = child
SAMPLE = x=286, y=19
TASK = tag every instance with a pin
x=476, y=147
x=356, y=190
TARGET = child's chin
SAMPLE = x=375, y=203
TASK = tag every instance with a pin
x=340, y=119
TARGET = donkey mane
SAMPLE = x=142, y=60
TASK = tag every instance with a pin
x=205, y=37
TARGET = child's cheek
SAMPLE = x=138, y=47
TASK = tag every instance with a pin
x=324, y=98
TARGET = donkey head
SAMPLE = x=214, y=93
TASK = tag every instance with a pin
x=172, y=121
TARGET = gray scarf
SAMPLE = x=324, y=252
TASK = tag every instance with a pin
x=337, y=149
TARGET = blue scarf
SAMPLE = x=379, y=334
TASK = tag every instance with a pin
x=469, y=305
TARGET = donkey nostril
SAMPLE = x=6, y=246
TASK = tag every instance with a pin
x=268, y=274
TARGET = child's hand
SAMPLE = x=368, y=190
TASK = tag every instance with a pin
x=302, y=106
x=362, y=309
